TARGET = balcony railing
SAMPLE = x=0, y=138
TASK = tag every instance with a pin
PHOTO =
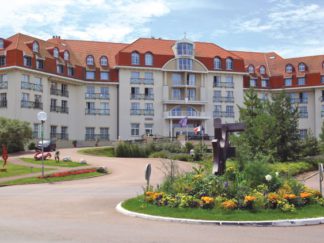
x=303, y=114
x=59, y=92
x=149, y=81
x=32, y=86
x=224, y=85
x=223, y=99
x=139, y=112
x=94, y=96
x=299, y=100
x=31, y=104
x=218, y=114
x=60, y=109
x=183, y=84
x=4, y=85
x=102, y=112
x=3, y=103
x=93, y=137
x=141, y=97
x=62, y=136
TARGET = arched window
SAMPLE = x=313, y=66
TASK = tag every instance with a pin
x=229, y=63
x=56, y=52
x=1, y=44
x=289, y=68
x=301, y=67
x=35, y=46
x=262, y=69
x=148, y=59
x=191, y=111
x=184, y=48
x=176, y=111
x=135, y=58
x=104, y=61
x=217, y=63
x=250, y=69
x=66, y=55
x=90, y=60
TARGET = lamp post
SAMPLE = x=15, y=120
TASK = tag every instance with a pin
x=42, y=117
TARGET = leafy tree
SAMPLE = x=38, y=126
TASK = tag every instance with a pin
x=14, y=134
x=309, y=146
x=321, y=136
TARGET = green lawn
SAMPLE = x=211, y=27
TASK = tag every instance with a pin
x=52, y=162
x=36, y=180
x=14, y=170
x=138, y=205
x=105, y=151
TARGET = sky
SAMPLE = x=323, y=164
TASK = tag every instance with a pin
x=289, y=27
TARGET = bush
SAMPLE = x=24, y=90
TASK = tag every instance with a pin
x=160, y=154
x=126, y=150
x=182, y=157
x=31, y=146
x=188, y=146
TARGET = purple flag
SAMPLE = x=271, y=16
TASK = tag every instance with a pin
x=183, y=122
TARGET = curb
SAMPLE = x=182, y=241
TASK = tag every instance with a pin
x=275, y=223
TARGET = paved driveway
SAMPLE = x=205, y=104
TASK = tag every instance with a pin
x=84, y=211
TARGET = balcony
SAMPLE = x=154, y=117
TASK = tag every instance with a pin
x=184, y=101
x=94, y=137
x=299, y=100
x=148, y=81
x=223, y=85
x=139, y=112
x=31, y=86
x=3, y=103
x=303, y=114
x=102, y=112
x=194, y=115
x=99, y=96
x=61, y=136
x=31, y=104
x=226, y=114
x=184, y=85
x=4, y=85
x=219, y=99
x=59, y=92
x=60, y=109
x=141, y=97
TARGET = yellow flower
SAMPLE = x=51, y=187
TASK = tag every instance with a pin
x=207, y=200
x=248, y=199
x=229, y=204
x=290, y=196
x=305, y=194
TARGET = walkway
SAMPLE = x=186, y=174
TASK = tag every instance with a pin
x=84, y=211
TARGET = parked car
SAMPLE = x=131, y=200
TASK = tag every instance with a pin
x=48, y=146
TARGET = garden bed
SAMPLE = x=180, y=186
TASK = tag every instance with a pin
x=51, y=162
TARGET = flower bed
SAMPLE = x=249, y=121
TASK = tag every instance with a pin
x=68, y=173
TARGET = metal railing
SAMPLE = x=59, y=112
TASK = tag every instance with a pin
x=59, y=92
x=223, y=85
x=299, y=100
x=62, y=136
x=93, y=137
x=149, y=81
x=60, y=109
x=100, y=96
x=223, y=99
x=218, y=114
x=102, y=112
x=144, y=112
x=31, y=104
x=303, y=114
x=31, y=86
x=4, y=85
x=141, y=97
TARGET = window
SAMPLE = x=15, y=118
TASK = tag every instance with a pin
x=185, y=64
x=90, y=108
x=104, y=108
x=148, y=78
x=303, y=113
x=66, y=55
x=104, y=92
x=90, y=91
x=191, y=111
x=37, y=130
x=303, y=133
x=104, y=133
x=251, y=69
x=217, y=63
x=90, y=75
x=53, y=132
x=217, y=110
x=262, y=70
x=90, y=133
x=289, y=68
x=64, y=106
x=90, y=60
x=264, y=83
x=217, y=96
x=25, y=78
x=135, y=129
x=2, y=60
x=135, y=78
x=40, y=64
x=253, y=82
x=38, y=84
x=148, y=129
x=64, y=133
x=263, y=96
x=59, y=68
x=229, y=80
x=229, y=111
x=148, y=106
x=35, y=46
x=70, y=71
x=176, y=111
x=229, y=63
x=104, y=75
x=185, y=49
x=322, y=108
x=1, y=44
x=38, y=102
x=148, y=93
x=191, y=94
x=55, y=52
x=25, y=100
x=217, y=81
x=104, y=61
x=301, y=81
x=135, y=108
x=288, y=81
x=135, y=93
x=3, y=81
x=191, y=79
x=148, y=59
x=27, y=61
x=176, y=79
x=176, y=94
x=64, y=90
x=303, y=97
x=53, y=105
x=135, y=58
x=322, y=79
x=301, y=67
x=3, y=100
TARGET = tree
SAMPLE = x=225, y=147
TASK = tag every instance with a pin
x=14, y=134
x=309, y=146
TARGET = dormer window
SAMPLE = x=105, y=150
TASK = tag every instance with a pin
x=90, y=60
x=185, y=49
x=148, y=59
x=217, y=63
x=35, y=46
x=262, y=70
x=289, y=68
x=135, y=58
x=251, y=69
x=1, y=44
x=229, y=63
x=55, y=52
x=104, y=61
x=301, y=67
x=66, y=56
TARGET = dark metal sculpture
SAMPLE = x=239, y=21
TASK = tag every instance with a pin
x=221, y=144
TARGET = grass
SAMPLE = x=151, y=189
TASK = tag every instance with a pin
x=52, y=162
x=36, y=180
x=105, y=151
x=138, y=205
x=14, y=170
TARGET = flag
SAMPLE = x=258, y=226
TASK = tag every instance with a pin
x=183, y=122
x=197, y=129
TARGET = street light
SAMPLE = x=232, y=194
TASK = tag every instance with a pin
x=42, y=116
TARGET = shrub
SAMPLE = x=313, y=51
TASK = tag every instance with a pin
x=160, y=154
x=124, y=149
x=31, y=146
x=182, y=157
x=188, y=146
